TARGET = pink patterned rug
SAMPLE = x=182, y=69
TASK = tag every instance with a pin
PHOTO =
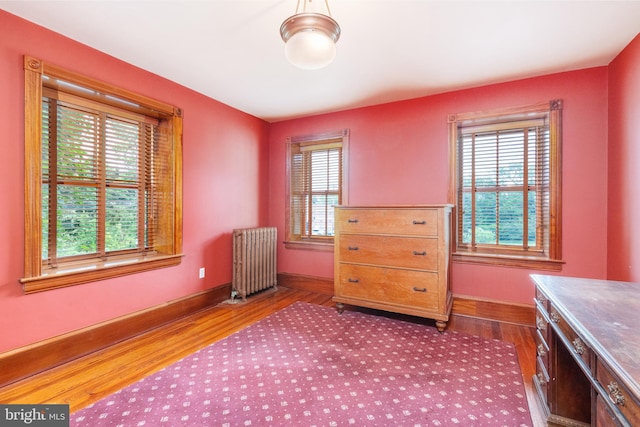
x=307, y=365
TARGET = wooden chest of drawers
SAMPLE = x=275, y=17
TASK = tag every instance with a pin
x=394, y=258
x=587, y=371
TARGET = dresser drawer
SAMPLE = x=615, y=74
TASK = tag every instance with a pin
x=407, y=222
x=395, y=286
x=576, y=345
x=413, y=252
x=617, y=394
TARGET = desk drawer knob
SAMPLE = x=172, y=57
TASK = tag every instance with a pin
x=353, y=248
x=352, y=221
x=578, y=346
x=540, y=323
x=416, y=289
x=419, y=222
x=541, y=351
x=353, y=280
x=417, y=253
x=615, y=394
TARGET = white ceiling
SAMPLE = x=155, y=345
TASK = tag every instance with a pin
x=389, y=50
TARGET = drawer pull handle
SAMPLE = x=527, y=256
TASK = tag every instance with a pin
x=555, y=316
x=615, y=394
x=353, y=248
x=540, y=323
x=423, y=253
x=352, y=221
x=415, y=222
x=541, y=351
x=541, y=379
x=578, y=346
x=353, y=280
x=416, y=289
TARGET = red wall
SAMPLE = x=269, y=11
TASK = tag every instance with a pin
x=234, y=176
x=399, y=154
x=225, y=186
x=623, y=248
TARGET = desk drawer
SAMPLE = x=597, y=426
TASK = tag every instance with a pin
x=542, y=380
x=542, y=325
x=542, y=300
x=617, y=394
x=408, y=252
x=576, y=345
x=396, y=286
x=542, y=348
x=407, y=222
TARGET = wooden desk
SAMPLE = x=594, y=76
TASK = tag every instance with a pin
x=588, y=351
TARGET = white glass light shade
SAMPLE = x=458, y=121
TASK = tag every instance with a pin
x=310, y=40
x=310, y=49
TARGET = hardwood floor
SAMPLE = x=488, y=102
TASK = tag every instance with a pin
x=89, y=379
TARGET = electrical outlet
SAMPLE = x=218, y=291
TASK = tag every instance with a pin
x=202, y=272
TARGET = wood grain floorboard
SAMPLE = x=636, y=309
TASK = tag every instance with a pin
x=93, y=377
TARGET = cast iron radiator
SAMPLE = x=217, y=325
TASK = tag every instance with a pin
x=254, y=260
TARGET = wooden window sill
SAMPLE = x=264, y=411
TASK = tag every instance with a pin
x=77, y=273
x=309, y=245
x=529, y=262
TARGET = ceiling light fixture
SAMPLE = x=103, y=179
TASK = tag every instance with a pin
x=310, y=38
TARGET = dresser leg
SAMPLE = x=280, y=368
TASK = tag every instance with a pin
x=340, y=307
x=441, y=325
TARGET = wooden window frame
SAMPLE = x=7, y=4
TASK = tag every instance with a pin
x=168, y=249
x=551, y=259
x=325, y=243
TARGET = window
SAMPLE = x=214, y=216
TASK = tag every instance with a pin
x=507, y=188
x=315, y=172
x=102, y=180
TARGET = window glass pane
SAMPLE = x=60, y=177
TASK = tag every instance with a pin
x=511, y=223
x=44, y=162
x=486, y=160
x=121, y=229
x=319, y=171
x=319, y=215
x=466, y=218
x=466, y=161
x=122, y=152
x=511, y=158
x=532, y=208
x=323, y=215
x=77, y=144
x=486, y=217
x=77, y=220
x=45, y=221
x=333, y=170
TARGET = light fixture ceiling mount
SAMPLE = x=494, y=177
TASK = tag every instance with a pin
x=310, y=37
